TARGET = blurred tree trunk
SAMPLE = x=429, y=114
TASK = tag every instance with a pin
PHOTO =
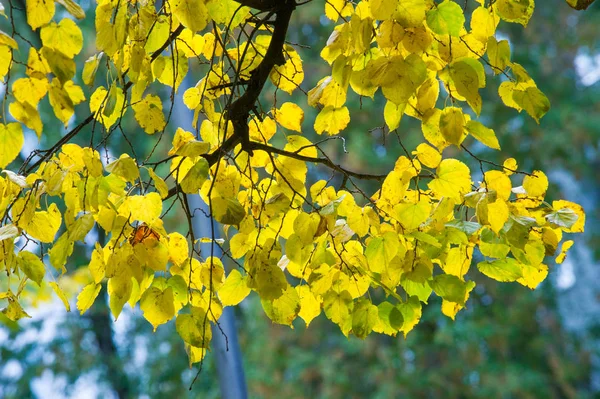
x=225, y=345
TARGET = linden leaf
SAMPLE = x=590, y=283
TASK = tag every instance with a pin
x=503, y=270
x=285, y=309
x=65, y=37
x=483, y=134
x=452, y=125
x=227, y=210
x=446, y=19
x=290, y=116
x=332, y=120
x=61, y=295
x=234, y=290
x=158, y=305
x=192, y=14
x=149, y=114
x=32, y=266
x=45, y=224
x=564, y=217
x=194, y=328
x=195, y=177
x=144, y=208
x=536, y=184
x=453, y=179
x=124, y=167
x=11, y=142
x=87, y=296
x=365, y=317
x=39, y=12
x=310, y=306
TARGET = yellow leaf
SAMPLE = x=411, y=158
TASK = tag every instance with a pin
x=8, y=41
x=159, y=184
x=227, y=210
x=11, y=142
x=533, y=275
x=178, y=248
x=332, y=120
x=431, y=129
x=149, y=114
x=310, y=306
x=336, y=8
x=503, y=270
x=64, y=37
x=195, y=177
x=63, y=99
x=37, y=66
x=107, y=106
x=111, y=27
x=73, y=8
x=428, y=155
x=536, y=185
x=452, y=125
x=290, y=75
x=285, y=309
x=90, y=68
x=411, y=216
x=290, y=116
x=234, y=290
x=497, y=214
x=87, y=297
x=143, y=208
x=39, y=12
x=124, y=167
x=365, y=316
x=453, y=179
x=162, y=68
x=45, y=224
x=158, y=305
x=61, y=295
x=499, y=182
x=510, y=166
x=485, y=135
x=5, y=60
x=519, y=11
x=392, y=114
x=192, y=14
x=30, y=90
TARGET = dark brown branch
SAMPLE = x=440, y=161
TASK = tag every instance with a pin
x=324, y=161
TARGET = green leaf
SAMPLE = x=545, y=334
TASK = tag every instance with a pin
x=451, y=288
x=195, y=177
x=485, y=135
x=194, y=328
x=228, y=210
x=564, y=217
x=446, y=19
x=32, y=266
x=533, y=101
x=364, y=317
x=503, y=270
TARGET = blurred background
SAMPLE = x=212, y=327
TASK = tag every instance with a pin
x=510, y=342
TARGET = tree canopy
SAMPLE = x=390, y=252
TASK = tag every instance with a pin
x=308, y=233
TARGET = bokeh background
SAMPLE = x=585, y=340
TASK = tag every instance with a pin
x=510, y=342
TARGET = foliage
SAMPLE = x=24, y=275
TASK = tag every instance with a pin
x=367, y=260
